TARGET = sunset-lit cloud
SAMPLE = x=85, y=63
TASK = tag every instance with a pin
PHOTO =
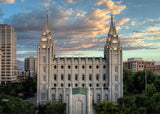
x=123, y=21
x=7, y=1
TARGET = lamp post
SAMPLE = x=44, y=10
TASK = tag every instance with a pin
x=145, y=79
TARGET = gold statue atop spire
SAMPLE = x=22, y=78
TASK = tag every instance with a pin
x=47, y=11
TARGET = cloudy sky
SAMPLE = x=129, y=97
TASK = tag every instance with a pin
x=80, y=27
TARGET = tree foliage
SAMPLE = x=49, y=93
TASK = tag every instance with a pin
x=13, y=105
x=136, y=100
x=56, y=108
x=28, y=88
x=106, y=107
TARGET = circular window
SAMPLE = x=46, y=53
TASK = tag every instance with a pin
x=90, y=85
x=69, y=66
x=76, y=67
x=97, y=85
x=55, y=85
x=62, y=67
x=76, y=85
x=90, y=66
x=104, y=85
x=104, y=66
x=97, y=66
x=69, y=85
x=55, y=66
x=83, y=66
x=61, y=85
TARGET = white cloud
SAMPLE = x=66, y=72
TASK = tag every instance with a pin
x=72, y=1
x=7, y=1
x=110, y=5
x=123, y=21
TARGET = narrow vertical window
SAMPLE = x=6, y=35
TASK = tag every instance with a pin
x=62, y=77
x=104, y=77
x=90, y=77
x=97, y=77
x=69, y=77
x=83, y=77
x=55, y=77
x=76, y=77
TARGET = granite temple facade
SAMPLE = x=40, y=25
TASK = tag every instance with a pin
x=78, y=81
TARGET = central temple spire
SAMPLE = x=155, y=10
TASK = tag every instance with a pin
x=46, y=28
x=112, y=30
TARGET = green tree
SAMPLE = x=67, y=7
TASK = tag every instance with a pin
x=128, y=81
x=157, y=83
x=13, y=105
x=55, y=108
x=106, y=108
x=151, y=89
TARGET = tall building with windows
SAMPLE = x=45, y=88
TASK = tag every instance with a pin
x=0, y=66
x=78, y=81
x=8, y=41
x=138, y=64
x=30, y=66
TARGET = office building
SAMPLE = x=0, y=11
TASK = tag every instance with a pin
x=30, y=66
x=8, y=42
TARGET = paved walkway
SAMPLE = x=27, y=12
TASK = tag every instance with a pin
x=32, y=100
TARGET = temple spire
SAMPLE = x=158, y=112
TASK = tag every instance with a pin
x=112, y=30
x=46, y=28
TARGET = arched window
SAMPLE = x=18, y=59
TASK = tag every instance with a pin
x=55, y=77
x=83, y=85
x=62, y=76
x=97, y=77
x=76, y=85
x=97, y=85
x=98, y=98
x=90, y=77
x=69, y=85
x=76, y=77
x=83, y=77
x=55, y=85
x=69, y=77
x=104, y=77
x=90, y=85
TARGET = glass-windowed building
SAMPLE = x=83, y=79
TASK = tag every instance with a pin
x=8, y=41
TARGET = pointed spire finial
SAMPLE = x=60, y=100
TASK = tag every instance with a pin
x=112, y=29
x=46, y=28
x=111, y=25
